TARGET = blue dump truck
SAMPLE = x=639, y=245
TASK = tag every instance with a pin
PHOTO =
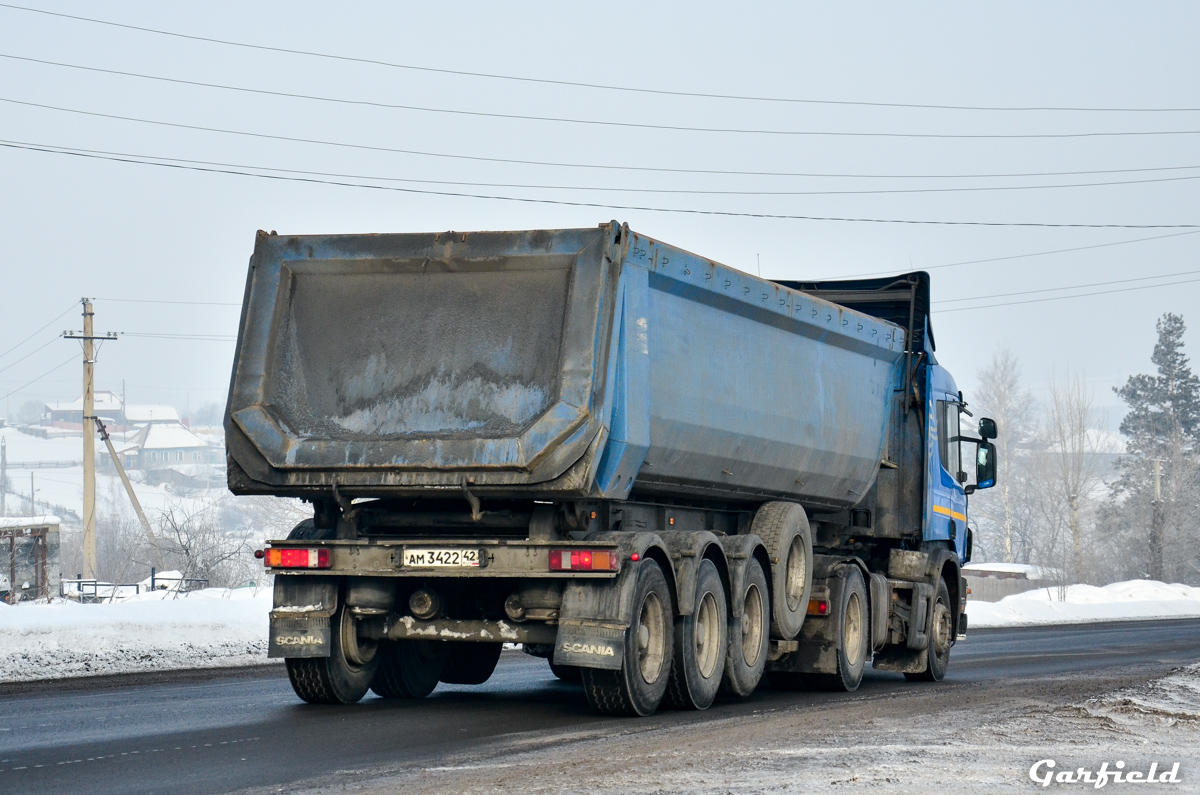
x=667, y=477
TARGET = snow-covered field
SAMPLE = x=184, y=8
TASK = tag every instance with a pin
x=216, y=628
x=155, y=631
x=1122, y=601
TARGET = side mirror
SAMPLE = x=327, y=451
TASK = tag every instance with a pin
x=985, y=465
x=987, y=429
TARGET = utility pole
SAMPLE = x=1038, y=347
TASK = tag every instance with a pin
x=32, y=497
x=89, y=436
x=3, y=475
x=1157, y=521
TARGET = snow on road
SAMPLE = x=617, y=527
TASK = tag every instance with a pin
x=1122, y=601
x=154, y=631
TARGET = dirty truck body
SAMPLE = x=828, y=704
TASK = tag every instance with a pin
x=667, y=476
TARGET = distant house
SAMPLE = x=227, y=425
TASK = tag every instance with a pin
x=112, y=411
x=167, y=445
x=69, y=416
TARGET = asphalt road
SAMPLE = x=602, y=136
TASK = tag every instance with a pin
x=230, y=730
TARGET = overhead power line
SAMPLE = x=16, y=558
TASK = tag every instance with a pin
x=1066, y=297
x=1070, y=287
x=153, y=301
x=40, y=330
x=200, y=337
x=11, y=365
x=583, y=84
x=40, y=377
x=602, y=188
x=1023, y=256
x=601, y=205
x=554, y=164
x=607, y=122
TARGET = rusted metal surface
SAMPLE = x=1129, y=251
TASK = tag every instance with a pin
x=548, y=364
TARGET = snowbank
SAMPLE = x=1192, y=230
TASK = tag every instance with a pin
x=156, y=631
x=1121, y=601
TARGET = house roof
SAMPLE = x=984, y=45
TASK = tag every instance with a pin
x=104, y=401
x=167, y=436
x=10, y=522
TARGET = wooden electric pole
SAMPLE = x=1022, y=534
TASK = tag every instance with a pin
x=89, y=436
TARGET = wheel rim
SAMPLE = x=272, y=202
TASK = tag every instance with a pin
x=853, y=629
x=752, y=621
x=941, y=629
x=358, y=653
x=796, y=573
x=708, y=635
x=652, y=647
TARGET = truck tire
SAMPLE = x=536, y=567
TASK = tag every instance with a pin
x=470, y=663
x=853, y=642
x=344, y=676
x=638, y=687
x=749, y=635
x=783, y=527
x=308, y=531
x=409, y=668
x=567, y=673
x=939, y=640
x=701, y=644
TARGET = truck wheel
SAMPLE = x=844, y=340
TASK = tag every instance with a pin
x=639, y=686
x=308, y=531
x=853, y=643
x=783, y=527
x=939, y=640
x=409, y=668
x=854, y=634
x=344, y=676
x=748, y=635
x=701, y=644
x=567, y=673
x=470, y=663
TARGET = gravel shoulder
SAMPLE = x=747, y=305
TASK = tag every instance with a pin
x=974, y=736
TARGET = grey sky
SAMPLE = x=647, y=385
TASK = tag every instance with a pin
x=75, y=227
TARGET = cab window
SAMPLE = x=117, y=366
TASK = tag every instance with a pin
x=949, y=439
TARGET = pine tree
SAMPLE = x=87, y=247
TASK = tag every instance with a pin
x=1163, y=426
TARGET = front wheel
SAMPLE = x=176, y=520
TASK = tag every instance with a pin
x=344, y=676
x=638, y=687
x=938, y=655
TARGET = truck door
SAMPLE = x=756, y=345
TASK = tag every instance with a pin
x=946, y=514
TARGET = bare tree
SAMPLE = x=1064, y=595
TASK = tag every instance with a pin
x=1075, y=466
x=1003, y=397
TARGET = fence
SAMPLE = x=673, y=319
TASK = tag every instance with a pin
x=993, y=589
x=92, y=591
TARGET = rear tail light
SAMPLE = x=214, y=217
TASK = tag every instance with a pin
x=297, y=558
x=818, y=607
x=583, y=560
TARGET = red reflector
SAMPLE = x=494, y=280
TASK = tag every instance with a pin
x=635, y=557
x=297, y=558
x=583, y=560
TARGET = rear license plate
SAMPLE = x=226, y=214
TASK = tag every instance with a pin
x=433, y=556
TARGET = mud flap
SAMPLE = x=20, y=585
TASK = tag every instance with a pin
x=300, y=620
x=817, y=651
x=595, y=613
x=901, y=660
x=299, y=636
